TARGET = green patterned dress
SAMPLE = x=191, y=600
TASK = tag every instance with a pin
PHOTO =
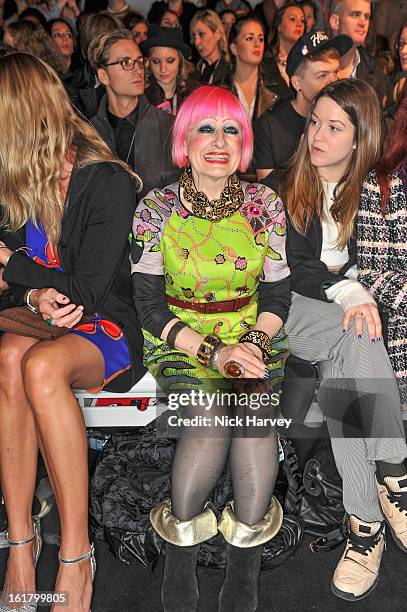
x=203, y=261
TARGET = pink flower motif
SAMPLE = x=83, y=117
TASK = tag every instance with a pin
x=252, y=189
x=140, y=230
x=241, y=263
x=182, y=212
x=169, y=196
x=254, y=210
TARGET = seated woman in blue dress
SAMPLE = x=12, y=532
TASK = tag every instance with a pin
x=67, y=206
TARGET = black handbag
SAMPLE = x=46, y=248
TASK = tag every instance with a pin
x=318, y=499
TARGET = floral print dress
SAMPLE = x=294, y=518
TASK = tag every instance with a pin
x=204, y=261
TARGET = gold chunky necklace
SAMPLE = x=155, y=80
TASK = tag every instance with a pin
x=231, y=198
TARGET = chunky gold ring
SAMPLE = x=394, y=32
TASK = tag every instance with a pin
x=233, y=369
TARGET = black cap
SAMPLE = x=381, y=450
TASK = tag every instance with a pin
x=312, y=42
x=165, y=37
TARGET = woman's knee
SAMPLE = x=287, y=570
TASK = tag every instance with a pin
x=42, y=370
x=11, y=356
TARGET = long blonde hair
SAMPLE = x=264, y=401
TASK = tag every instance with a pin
x=40, y=133
x=304, y=189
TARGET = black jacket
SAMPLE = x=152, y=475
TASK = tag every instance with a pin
x=82, y=90
x=369, y=71
x=265, y=99
x=94, y=254
x=152, y=144
x=273, y=80
x=309, y=275
x=219, y=76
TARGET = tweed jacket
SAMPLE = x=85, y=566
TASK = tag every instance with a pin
x=382, y=263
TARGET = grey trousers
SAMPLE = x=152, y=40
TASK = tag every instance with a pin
x=351, y=367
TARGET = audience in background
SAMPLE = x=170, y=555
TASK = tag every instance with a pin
x=137, y=25
x=228, y=18
x=289, y=26
x=170, y=20
x=184, y=11
x=352, y=17
x=209, y=37
x=32, y=38
x=168, y=81
x=137, y=132
x=247, y=48
x=64, y=38
x=310, y=12
x=397, y=77
x=83, y=88
x=312, y=64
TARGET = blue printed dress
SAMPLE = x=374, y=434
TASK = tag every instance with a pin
x=104, y=334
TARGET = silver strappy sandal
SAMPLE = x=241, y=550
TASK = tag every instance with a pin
x=88, y=555
x=27, y=607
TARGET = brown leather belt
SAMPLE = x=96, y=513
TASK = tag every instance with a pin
x=211, y=307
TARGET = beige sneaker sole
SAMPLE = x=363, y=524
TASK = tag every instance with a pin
x=351, y=596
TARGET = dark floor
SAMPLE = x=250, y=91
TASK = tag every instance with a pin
x=301, y=584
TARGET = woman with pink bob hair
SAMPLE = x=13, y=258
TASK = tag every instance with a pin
x=212, y=291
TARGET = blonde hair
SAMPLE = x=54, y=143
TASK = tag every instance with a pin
x=99, y=47
x=43, y=132
x=304, y=189
x=214, y=23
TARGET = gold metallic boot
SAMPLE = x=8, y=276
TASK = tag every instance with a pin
x=244, y=545
x=179, y=589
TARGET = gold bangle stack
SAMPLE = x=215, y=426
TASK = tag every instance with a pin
x=206, y=348
x=260, y=339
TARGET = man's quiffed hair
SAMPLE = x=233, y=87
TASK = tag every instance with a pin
x=324, y=55
x=99, y=48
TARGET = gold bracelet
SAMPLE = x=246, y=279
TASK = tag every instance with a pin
x=260, y=339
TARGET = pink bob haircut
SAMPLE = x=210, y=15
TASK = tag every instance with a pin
x=210, y=101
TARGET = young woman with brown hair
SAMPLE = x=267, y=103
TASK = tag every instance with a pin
x=247, y=47
x=334, y=321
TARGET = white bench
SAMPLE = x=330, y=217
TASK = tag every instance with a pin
x=134, y=408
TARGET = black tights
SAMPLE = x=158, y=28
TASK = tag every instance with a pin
x=200, y=457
